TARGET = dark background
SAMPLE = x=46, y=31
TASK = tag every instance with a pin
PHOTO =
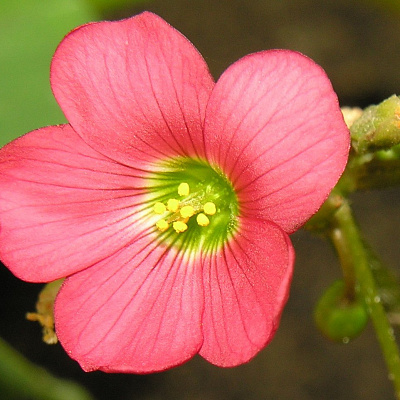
x=358, y=45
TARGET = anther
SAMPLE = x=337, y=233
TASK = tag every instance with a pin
x=159, y=208
x=183, y=189
x=179, y=226
x=173, y=205
x=209, y=208
x=187, y=211
x=162, y=225
x=202, y=219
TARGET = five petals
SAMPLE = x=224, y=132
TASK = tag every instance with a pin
x=73, y=197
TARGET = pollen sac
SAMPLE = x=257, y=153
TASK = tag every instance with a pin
x=183, y=189
x=159, y=208
x=162, y=225
x=179, y=226
x=209, y=208
x=173, y=205
x=187, y=211
x=202, y=219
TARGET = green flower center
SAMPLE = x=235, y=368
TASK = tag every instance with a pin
x=195, y=205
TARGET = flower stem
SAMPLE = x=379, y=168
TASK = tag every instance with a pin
x=352, y=246
x=346, y=262
x=20, y=378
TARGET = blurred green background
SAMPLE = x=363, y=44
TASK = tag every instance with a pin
x=358, y=44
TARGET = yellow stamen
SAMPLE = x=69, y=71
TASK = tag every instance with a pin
x=181, y=211
x=173, y=205
x=202, y=219
x=187, y=211
x=183, y=189
x=179, y=226
x=159, y=208
x=209, y=208
x=162, y=225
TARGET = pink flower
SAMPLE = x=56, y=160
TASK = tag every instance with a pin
x=257, y=154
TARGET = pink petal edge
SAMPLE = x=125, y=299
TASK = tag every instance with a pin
x=245, y=289
x=63, y=206
x=71, y=197
x=274, y=126
x=135, y=90
x=138, y=311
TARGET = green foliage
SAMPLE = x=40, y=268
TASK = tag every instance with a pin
x=30, y=31
x=21, y=379
x=105, y=6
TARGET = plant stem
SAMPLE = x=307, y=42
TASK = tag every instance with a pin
x=346, y=262
x=352, y=245
x=20, y=378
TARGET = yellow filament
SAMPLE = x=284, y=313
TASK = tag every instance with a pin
x=187, y=211
x=173, y=205
x=162, y=225
x=209, y=208
x=183, y=189
x=202, y=219
x=179, y=226
x=159, y=208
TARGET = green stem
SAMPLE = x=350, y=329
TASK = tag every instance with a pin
x=20, y=378
x=351, y=244
x=345, y=257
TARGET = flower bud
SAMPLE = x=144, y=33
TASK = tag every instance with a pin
x=339, y=318
x=378, y=128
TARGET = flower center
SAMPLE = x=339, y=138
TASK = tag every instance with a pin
x=181, y=211
x=195, y=205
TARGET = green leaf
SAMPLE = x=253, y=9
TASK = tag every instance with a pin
x=30, y=31
x=104, y=6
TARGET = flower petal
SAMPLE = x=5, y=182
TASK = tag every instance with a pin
x=245, y=289
x=63, y=206
x=274, y=126
x=134, y=89
x=138, y=311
